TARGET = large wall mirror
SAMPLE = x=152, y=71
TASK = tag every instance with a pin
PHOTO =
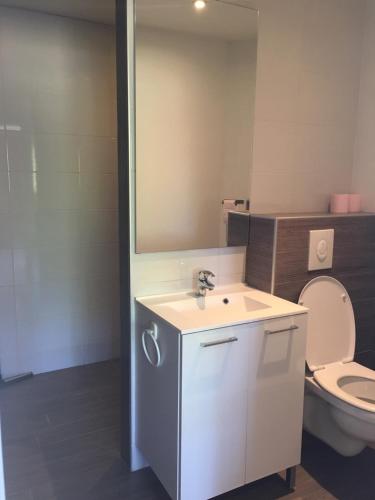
x=195, y=68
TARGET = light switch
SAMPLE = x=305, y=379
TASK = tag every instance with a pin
x=321, y=249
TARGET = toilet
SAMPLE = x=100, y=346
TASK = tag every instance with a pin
x=339, y=403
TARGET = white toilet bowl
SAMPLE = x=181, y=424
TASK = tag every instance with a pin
x=340, y=394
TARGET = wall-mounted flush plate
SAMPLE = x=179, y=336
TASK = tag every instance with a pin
x=321, y=249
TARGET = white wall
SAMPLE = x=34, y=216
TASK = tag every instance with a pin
x=307, y=91
x=364, y=165
x=173, y=271
x=306, y=98
x=194, y=104
x=171, y=65
x=58, y=193
x=180, y=112
x=166, y=272
x=239, y=123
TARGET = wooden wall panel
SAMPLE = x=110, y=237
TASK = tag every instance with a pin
x=238, y=229
x=353, y=265
x=259, y=254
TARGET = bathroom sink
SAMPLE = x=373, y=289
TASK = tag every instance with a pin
x=223, y=303
x=225, y=306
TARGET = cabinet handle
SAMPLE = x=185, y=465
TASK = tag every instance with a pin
x=290, y=329
x=153, y=334
x=219, y=342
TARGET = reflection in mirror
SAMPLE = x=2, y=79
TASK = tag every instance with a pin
x=195, y=88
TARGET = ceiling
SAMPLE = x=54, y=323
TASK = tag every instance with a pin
x=99, y=11
x=218, y=19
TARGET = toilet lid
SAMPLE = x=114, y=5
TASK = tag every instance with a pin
x=331, y=325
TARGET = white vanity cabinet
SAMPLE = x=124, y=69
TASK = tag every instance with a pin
x=224, y=407
x=213, y=412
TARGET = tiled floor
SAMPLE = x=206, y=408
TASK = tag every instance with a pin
x=61, y=437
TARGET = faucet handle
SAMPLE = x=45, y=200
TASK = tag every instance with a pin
x=204, y=277
x=204, y=274
x=204, y=283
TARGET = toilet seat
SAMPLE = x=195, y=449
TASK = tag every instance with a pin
x=339, y=406
x=330, y=376
x=330, y=323
x=331, y=344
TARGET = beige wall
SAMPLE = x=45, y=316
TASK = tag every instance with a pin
x=306, y=101
x=307, y=84
x=58, y=193
x=307, y=89
x=364, y=165
x=194, y=110
x=239, y=123
x=180, y=111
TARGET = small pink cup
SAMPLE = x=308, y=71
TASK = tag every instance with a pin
x=355, y=203
x=339, y=204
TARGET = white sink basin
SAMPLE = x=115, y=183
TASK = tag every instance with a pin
x=223, y=307
x=223, y=303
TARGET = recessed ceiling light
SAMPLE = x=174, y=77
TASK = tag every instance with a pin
x=200, y=4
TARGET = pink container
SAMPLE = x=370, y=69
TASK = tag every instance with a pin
x=339, y=204
x=355, y=204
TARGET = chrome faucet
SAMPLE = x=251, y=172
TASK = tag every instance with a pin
x=204, y=283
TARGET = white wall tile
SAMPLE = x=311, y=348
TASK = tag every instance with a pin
x=44, y=227
x=332, y=33
x=5, y=231
x=305, y=102
x=33, y=152
x=98, y=154
x=3, y=155
x=323, y=98
x=6, y=267
x=149, y=270
x=98, y=190
x=145, y=288
x=98, y=226
x=275, y=147
x=64, y=314
x=4, y=190
x=55, y=263
x=307, y=83
x=363, y=180
x=193, y=262
x=8, y=333
x=230, y=280
x=58, y=202
x=176, y=271
x=52, y=190
x=303, y=146
x=232, y=262
x=43, y=264
x=21, y=154
x=18, y=105
x=309, y=193
x=272, y=192
x=277, y=102
x=46, y=360
x=100, y=260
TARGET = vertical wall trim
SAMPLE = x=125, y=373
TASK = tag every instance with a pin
x=124, y=219
x=274, y=252
x=137, y=461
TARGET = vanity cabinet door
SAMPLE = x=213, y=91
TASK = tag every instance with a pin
x=213, y=412
x=276, y=365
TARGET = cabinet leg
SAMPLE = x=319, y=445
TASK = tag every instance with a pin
x=291, y=478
